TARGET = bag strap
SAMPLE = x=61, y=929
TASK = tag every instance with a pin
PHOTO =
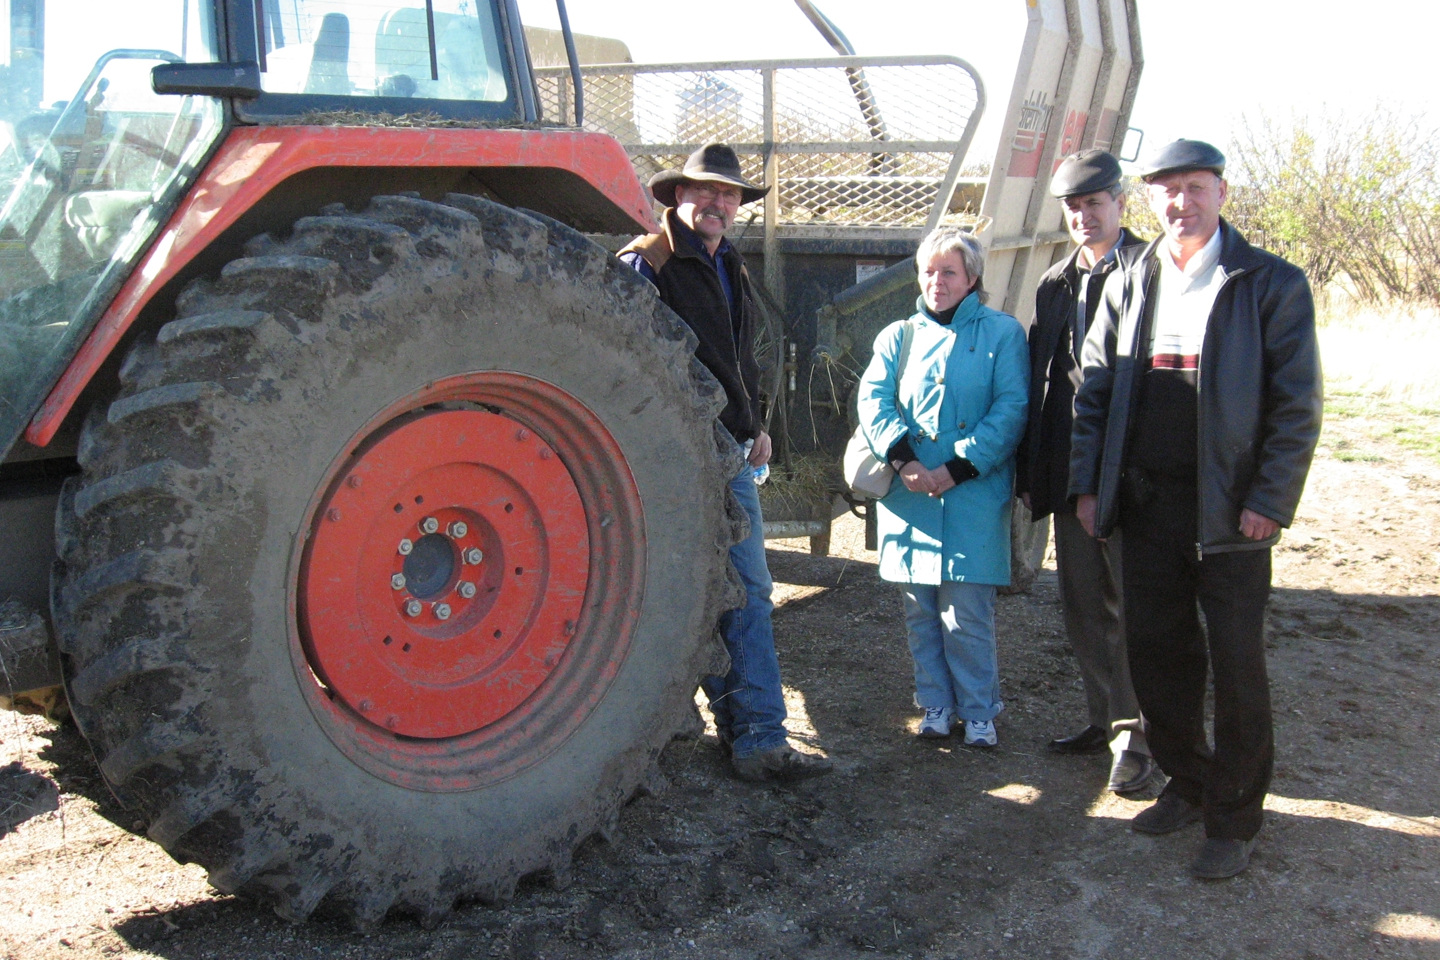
x=907, y=337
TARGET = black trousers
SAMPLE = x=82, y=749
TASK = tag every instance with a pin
x=1163, y=582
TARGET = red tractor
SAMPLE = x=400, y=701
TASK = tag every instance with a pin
x=372, y=515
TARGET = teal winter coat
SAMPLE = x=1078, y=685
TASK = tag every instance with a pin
x=962, y=394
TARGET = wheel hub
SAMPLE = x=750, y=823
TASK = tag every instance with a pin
x=426, y=571
x=446, y=572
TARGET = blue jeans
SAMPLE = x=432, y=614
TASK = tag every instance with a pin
x=952, y=641
x=747, y=702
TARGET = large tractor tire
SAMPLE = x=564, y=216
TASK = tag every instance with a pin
x=394, y=563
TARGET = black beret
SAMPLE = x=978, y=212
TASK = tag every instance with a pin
x=1183, y=155
x=1088, y=171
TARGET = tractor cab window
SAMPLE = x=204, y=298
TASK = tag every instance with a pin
x=444, y=50
x=91, y=161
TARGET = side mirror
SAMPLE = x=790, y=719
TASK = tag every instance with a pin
x=240, y=80
x=1128, y=153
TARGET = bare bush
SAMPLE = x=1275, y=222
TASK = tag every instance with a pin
x=1351, y=199
x=1138, y=218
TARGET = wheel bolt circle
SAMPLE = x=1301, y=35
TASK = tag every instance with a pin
x=473, y=556
x=466, y=588
x=458, y=529
x=405, y=547
x=413, y=608
x=429, y=524
x=442, y=611
x=397, y=581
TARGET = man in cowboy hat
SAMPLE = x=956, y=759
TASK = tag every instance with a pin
x=1193, y=435
x=702, y=277
x=1089, y=186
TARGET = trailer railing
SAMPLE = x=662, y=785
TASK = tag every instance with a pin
x=852, y=145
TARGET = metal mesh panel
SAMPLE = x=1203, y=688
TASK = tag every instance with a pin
x=855, y=142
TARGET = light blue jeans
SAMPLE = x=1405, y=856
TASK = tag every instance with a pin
x=747, y=702
x=952, y=641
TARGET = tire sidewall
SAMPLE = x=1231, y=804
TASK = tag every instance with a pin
x=425, y=320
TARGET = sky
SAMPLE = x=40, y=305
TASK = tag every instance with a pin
x=1207, y=65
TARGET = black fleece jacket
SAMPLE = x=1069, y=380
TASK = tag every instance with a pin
x=690, y=285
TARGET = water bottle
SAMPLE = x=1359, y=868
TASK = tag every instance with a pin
x=762, y=473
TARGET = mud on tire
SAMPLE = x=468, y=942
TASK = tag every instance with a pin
x=250, y=710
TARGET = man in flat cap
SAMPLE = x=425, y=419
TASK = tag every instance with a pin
x=1090, y=188
x=702, y=277
x=1194, y=430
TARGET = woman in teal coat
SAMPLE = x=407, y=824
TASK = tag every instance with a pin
x=949, y=425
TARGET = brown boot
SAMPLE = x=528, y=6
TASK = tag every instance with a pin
x=782, y=764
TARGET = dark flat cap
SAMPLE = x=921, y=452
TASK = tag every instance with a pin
x=1183, y=155
x=1088, y=171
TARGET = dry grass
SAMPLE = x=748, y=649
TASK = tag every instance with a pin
x=800, y=489
x=1389, y=353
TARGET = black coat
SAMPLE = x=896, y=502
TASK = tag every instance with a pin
x=1260, y=391
x=1042, y=464
x=690, y=286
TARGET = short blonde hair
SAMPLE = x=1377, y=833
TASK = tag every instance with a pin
x=945, y=240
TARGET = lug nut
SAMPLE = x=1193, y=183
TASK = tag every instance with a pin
x=429, y=524
x=413, y=608
x=442, y=611
x=458, y=529
x=466, y=588
x=397, y=581
x=405, y=547
x=473, y=556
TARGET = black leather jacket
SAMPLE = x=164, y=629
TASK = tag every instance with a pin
x=1260, y=391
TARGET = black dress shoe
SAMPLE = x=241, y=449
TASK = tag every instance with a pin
x=1220, y=859
x=1090, y=740
x=1130, y=771
x=1170, y=813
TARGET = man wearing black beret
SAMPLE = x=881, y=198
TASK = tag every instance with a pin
x=1194, y=430
x=1089, y=185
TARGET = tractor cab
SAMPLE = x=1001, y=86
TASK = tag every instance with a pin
x=94, y=161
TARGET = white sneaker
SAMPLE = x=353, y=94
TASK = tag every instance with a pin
x=980, y=733
x=936, y=722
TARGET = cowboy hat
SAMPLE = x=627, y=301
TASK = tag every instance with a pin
x=713, y=163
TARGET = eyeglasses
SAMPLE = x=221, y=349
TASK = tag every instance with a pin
x=708, y=191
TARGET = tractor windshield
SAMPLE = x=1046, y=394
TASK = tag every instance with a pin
x=91, y=161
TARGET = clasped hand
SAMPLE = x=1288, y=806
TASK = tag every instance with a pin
x=919, y=480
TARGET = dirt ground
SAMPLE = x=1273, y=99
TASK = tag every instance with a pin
x=918, y=849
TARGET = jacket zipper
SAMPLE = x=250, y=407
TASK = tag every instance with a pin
x=1200, y=421
x=735, y=334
